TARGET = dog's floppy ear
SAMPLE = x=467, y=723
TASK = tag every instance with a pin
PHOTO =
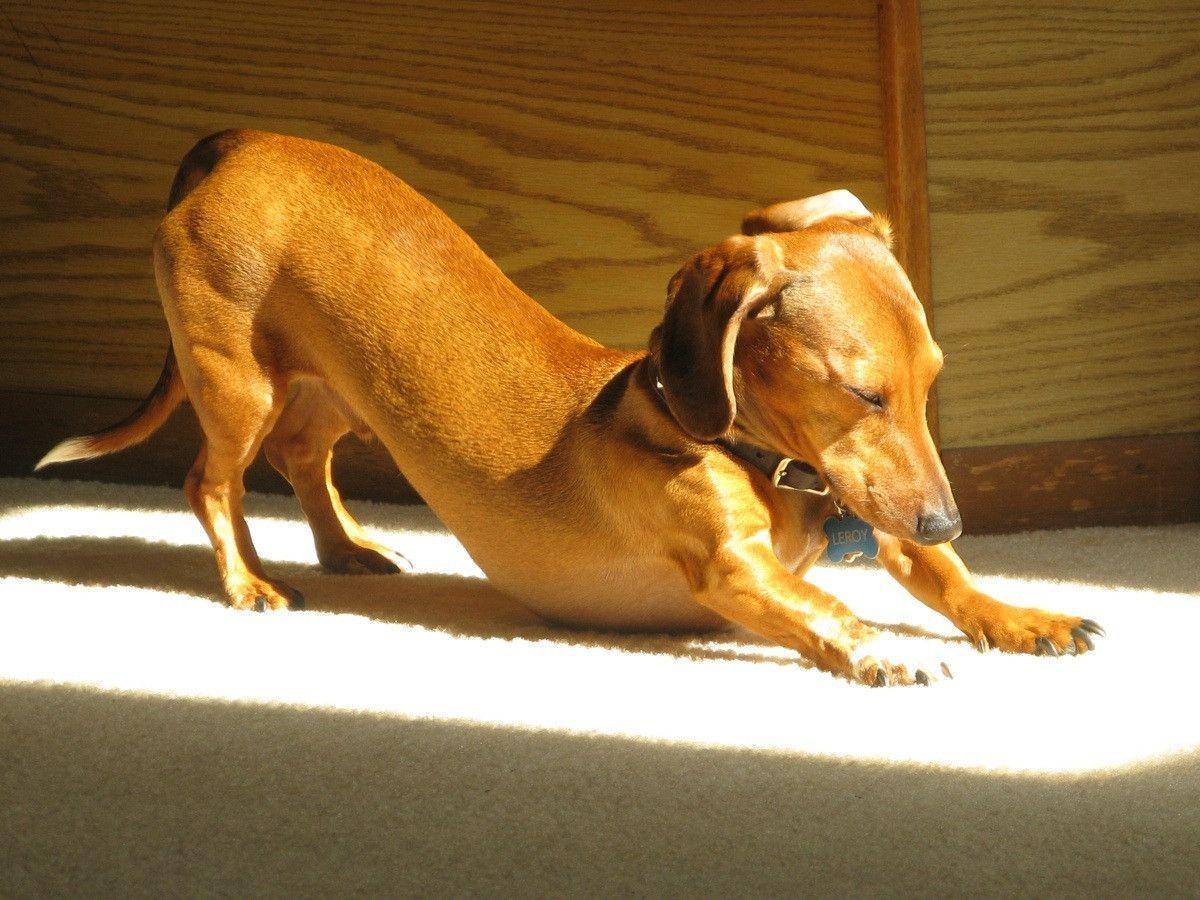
x=798, y=214
x=707, y=301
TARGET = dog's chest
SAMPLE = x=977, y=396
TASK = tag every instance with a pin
x=797, y=532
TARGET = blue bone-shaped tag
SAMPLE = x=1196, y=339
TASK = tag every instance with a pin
x=849, y=538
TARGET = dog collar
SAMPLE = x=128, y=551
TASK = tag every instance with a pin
x=784, y=472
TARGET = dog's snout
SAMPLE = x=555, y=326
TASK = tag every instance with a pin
x=939, y=526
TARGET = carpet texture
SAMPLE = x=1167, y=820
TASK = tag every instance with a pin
x=422, y=735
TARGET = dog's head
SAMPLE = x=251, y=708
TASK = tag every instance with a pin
x=805, y=333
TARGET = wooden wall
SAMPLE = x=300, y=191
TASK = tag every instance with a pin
x=590, y=147
x=1063, y=155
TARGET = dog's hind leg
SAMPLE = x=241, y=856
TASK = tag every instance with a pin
x=300, y=447
x=235, y=413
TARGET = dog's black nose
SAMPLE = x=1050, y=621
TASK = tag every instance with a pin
x=939, y=526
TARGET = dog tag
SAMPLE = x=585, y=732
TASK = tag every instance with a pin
x=849, y=538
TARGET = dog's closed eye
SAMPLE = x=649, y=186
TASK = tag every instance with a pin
x=869, y=397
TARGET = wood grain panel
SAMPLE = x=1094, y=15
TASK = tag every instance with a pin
x=1064, y=142
x=589, y=147
x=1148, y=480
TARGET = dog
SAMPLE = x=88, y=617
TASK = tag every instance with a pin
x=310, y=293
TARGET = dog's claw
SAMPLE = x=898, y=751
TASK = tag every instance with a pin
x=982, y=644
x=881, y=678
x=1093, y=627
x=1080, y=634
x=295, y=600
x=921, y=678
x=1045, y=647
x=260, y=603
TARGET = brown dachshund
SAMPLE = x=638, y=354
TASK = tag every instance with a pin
x=309, y=293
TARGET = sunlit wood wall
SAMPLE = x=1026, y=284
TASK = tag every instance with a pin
x=589, y=147
x=1064, y=187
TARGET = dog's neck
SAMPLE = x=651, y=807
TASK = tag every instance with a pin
x=783, y=471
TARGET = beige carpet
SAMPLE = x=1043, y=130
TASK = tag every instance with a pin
x=422, y=736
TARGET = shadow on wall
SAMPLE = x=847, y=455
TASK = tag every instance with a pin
x=119, y=794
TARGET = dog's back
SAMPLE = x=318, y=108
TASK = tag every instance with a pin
x=363, y=283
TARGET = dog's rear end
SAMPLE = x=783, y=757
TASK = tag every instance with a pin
x=168, y=392
x=308, y=293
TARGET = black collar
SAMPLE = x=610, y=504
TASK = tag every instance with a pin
x=783, y=471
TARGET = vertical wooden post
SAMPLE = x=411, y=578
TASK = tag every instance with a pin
x=902, y=81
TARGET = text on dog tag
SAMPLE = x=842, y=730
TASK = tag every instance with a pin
x=849, y=537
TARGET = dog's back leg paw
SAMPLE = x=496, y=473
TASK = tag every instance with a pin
x=300, y=447
x=365, y=558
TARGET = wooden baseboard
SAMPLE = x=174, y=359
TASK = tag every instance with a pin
x=1117, y=481
x=33, y=423
x=1147, y=480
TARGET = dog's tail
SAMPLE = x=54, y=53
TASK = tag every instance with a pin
x=199, y=162
x=143, y=422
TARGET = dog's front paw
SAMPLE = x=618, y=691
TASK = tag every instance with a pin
x=885, y=659
x=1020, y=629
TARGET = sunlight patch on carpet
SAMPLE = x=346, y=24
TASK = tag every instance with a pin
x=114, y=587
